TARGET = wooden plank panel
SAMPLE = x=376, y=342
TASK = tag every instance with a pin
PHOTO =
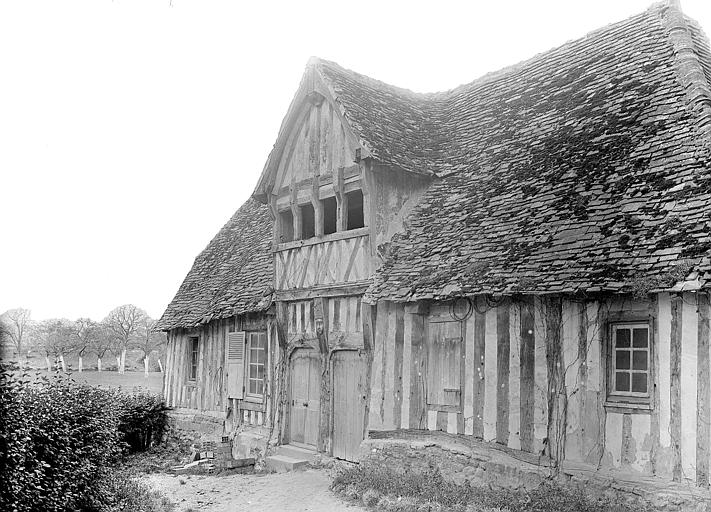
x=675, y=382
x=515, y=376
x=654, y=416
x=418, y=372
x=703, y=419
x=540, y=393
x=503, y=355
x=479, y=369
x=689, y=383
x=442, y=420
x=407, y=364
x=491, y=378
x=389, y=365
x=527, y=380
x=377, y=396
x=664, y=377
x=398, y=357
x=469, y=376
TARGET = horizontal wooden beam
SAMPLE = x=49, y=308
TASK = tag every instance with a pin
x=357, y=288
x=340, y=235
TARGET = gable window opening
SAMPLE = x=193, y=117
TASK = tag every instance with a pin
x=256, y=364
x=193, y=360
x=330, y=214
x=308, y=221
x=354, y=202
x=630, y=375
x=286, y=226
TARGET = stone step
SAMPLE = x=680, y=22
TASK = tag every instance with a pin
x=284, y=463
x=296, y=452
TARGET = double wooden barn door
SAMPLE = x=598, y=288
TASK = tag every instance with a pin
x=305, y=397
x=349, y=396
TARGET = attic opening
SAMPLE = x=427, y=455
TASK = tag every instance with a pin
x=308, y=221
x=330, y=214
x=286, y=226
x=354, y=202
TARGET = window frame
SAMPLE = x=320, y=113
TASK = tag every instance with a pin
x=248, y=395
x=629, y=399
x=193, y=358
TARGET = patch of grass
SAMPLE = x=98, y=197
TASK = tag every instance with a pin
x=123, y=492
x=383, y=488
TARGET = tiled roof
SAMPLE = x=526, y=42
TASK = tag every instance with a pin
x=584, y=169
x=232, y=275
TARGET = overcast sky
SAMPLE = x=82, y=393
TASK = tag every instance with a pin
x=130, y=131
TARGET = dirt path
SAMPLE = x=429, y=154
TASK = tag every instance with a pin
x=288, y=492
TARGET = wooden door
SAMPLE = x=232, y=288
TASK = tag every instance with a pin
x=349, y=396
x=305, y=397
x=444, y=366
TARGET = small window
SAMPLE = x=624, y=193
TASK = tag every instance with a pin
x=193, y=369
x=354, y=201
x=257, y=363
x=286, y=226
x=630, y=359
x=330, y=212
x=308, y=221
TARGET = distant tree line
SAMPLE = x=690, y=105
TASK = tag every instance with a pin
x=125, y=328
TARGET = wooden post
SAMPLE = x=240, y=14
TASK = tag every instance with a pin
x=503, y=341
x=654, y=417
x=295, y=213
x=527, y=373
x=675, y=390
x=703, y=397
x=479, y=389
x=368, y=317
x=557, y=392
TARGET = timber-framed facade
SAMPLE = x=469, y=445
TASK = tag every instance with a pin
x=523, y=260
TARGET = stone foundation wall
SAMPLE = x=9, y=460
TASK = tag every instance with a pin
x=461, y=460
x=456, y=464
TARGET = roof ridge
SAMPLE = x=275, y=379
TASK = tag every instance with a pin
x=689, y=70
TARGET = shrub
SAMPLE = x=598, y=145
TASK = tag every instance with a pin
x=142, y=419
x=58, y=440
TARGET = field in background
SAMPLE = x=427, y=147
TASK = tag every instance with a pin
x=128, y=381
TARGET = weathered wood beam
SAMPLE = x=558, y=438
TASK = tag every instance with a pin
x=356, y=288
x=675, y=390
x=527, y=373
x=295, y=212
x=503, y=355
x=703, y=396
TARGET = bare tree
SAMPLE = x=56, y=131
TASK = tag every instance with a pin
x=54, y=338
x=16, y=325
x=149, y=339
x=101, y=343
x=125, y=323
x=85, y=330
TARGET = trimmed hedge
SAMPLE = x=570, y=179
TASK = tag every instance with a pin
x=59, y=439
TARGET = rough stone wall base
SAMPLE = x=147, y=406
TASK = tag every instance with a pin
x=461, y=459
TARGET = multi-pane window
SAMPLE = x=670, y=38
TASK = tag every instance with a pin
x=256, y=364
x=193, y=368
x=631, y=360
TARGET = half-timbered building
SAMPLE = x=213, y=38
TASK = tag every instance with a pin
x=522, y=260
x=220, y=325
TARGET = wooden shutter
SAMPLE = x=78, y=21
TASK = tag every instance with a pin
x=235, y=364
